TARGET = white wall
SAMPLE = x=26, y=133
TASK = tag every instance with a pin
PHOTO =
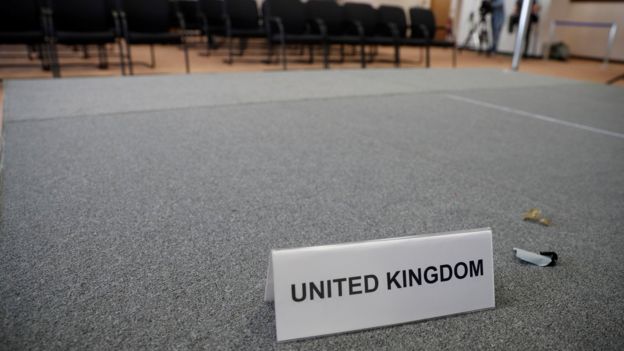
x=506, y=42
x=589, y=42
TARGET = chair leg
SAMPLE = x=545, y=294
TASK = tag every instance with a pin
x=130, y=65
x=103, y=57
x=54, y=61
x=326, y=48
x=427, y=57
x=186, y=56
x=122, y=59
x=283, y=49
x=269, y=58
x=209, y=44
x=242, y=46
x=363, y=56
x=454, y=49
x=397, y=55
x=311, y=53
x=342, y=53
x=230, y=50
x=152, y=57
x=29, y=52
x=85, y=52
x=44, y=56
x=615, y=79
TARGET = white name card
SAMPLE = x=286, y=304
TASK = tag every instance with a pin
x=338, y=288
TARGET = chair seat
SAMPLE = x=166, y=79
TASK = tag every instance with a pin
x=383, y=40
x=295, y=38
x=85, y=37
x=442, y=43
x=344, y=39
x=154, y=38
x=248, y=32
x=414, y=42
x=30, y=37
x=214, y=30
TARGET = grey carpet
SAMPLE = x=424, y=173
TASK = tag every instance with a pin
x=151, y=228
x=30, y=99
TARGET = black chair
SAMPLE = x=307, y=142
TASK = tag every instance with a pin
x=392, y=22
x=150, y=22
x=24, y=22
x=243, y=22
x=364, y=21
x=287, y=24
x=391, y=30
x=328, y=17
x=423, y=26
x=212, y=14
x=189, y=10
x=78, y=22
x=327, y=14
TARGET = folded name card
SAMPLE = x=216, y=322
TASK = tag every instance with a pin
x=338, y=288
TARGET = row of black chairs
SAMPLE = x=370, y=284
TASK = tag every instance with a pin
x=315, y=22
x=46, y=23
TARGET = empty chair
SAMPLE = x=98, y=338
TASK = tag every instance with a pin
x=360, y=20
x=391, y=29
x=287, y=24
x=241, y=21
x=363, y=20
x=326, y=16
x=150, y=22
x=212, y=13
x=392, y=22
x=423, y=26
x=189, y=10
x=21, y=23
x=78, y=22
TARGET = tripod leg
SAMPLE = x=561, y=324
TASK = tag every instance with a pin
x=468, y=37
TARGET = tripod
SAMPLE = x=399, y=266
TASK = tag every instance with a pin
x=478, y=35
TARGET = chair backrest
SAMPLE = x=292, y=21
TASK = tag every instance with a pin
x=365, y=14
x=391, y=14
x=243, y=14
x=214, y=11
x=422, y=17
x=149, y=16
x=20, y=15
x=329, y=12
x=291, y=12
x=190, y=12
x=82, y=16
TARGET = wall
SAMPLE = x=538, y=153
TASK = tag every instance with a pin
x=589, y=41
x=582, y=41
x=506, y=42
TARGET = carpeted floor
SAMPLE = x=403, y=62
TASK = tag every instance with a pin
x=138, y=213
